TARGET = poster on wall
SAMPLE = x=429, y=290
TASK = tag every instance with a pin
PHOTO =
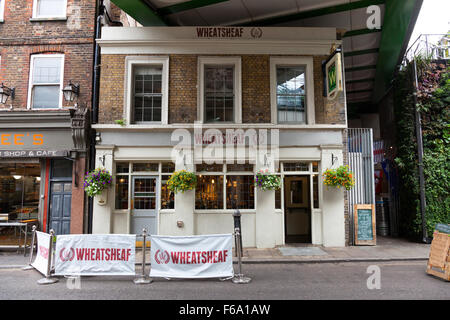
x=205, y=256
x=42, y=255
x=95, y=254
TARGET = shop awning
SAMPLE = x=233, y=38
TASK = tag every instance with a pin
x=371, y=55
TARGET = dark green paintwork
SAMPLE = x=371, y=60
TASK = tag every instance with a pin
x=141, y=12
x=189, y=5
x=360, y=52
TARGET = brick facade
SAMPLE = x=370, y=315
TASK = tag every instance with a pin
x=183, y=90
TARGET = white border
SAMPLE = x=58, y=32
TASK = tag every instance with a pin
x=35, y=16
x=130, y=61
x=308, y=62
x=236, y=62
x=30, y=81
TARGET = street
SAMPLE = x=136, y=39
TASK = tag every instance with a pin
x=329, y=281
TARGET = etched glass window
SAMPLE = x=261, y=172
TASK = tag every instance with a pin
x=291, y=95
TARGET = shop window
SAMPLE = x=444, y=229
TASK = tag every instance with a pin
x=147, y=93
x=209, y=168
x=209, y=192
x=167, y=196
x=122, y=167
x=220, y=89
x=167, y=167
x=19, y=191
x=49, y=8
x=240, y=192
x=239, y=167
x=147, y=90
x=46, y=81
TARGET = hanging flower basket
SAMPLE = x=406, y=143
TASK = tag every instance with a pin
x=182, y=181
x=339, y=177
x=96, y=181
x=267, y=181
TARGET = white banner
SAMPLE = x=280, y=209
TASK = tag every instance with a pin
x=95, y=254
x=42, y=255
x=206, y=256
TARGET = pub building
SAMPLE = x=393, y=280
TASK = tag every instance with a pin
x=47, y=51
x=166, y=92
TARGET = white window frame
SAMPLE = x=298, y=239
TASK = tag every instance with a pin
x=2, y=10
x=129, y=88
x=234, y=61
x=306, y=62
x=35, y=16
x=61, y=79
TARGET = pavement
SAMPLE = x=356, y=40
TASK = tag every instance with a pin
x=387, y=249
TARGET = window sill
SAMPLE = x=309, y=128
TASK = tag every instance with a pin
x=48, y=19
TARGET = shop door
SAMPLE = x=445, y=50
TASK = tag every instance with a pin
x=60, y=206
x=144, y=205
x=297, y=209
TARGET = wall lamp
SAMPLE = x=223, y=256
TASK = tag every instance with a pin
x=71, y=91
x=5, y=93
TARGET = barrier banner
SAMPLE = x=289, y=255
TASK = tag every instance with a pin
x=42, y=255
x=95, y=254
x=206, y=256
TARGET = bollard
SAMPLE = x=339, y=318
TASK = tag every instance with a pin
x=29, y=267
x=237, y=224
x=48, y=278
x=143, y=278
x=239, y=278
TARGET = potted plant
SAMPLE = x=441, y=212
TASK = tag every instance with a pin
x=96, y=182
x=339, y=177
x=267, y=181
x=182, y=181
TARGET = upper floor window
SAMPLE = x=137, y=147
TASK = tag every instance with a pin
x=147, y=90
x=292, y=90
x=46, y=80
x=220, y=87
x=49, y=8
x=2, y=10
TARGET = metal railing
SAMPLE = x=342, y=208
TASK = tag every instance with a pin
x=430, y=46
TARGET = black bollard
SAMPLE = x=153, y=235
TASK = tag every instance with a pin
x=237, y=224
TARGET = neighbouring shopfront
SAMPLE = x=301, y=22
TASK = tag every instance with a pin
x=223, y=109
x=42, y=164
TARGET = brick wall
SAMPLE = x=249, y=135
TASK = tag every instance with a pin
x=183, y=90
x=20, y=38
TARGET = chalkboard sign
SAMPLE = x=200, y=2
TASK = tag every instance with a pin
x=364, y=222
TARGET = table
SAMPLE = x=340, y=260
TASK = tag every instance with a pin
x=20, y=225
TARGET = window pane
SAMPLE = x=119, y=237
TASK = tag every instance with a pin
x=62, y=168
x=291, y=94
x=147, y=93
x=168, y=167
x=122, y=167
x=45, y=97
x=278, y=199
x=167, y=196
x=209, y=192
x=240, y=192
x=145, y=167
x=296, y=166
x=316, y=191
x=50, y=8
x=209, y=168
x=240, y=167
x=219, y=93
x=122, y=192
x=46, y=70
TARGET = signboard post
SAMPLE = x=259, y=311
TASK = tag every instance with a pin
x=364, y=222
x=439, y=262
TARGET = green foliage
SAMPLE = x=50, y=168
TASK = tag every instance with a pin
x=120, y=122
x=182, y=181
x=267, y=181
x=96, y=181
x=433, y=101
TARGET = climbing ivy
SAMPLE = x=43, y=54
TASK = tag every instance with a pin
x=433, y=99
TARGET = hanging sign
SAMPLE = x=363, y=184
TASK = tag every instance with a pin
x=42, y=255
x=364, y=222
x=95, y=254
x=205, y=256
x=333, y=76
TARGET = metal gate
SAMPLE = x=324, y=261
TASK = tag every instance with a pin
x=360, y=161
